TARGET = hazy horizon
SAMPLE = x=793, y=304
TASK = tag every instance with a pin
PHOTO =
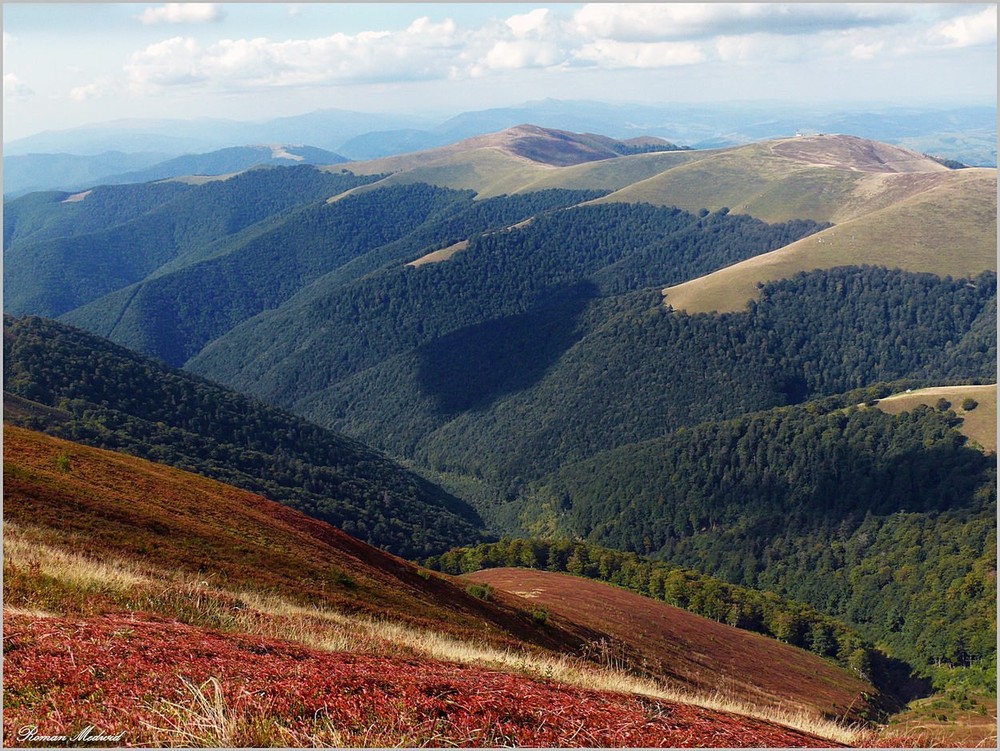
x=72, y=65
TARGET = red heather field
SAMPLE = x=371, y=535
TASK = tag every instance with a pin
x=103, y=504
x=163, y=682
x=688, y=650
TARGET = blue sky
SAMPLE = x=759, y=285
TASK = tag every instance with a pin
x=72, y=64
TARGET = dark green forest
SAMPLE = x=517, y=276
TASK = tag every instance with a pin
x=417, y=347
x=50, y=275
x=109, y=397
x=176, y=312
x=885, y=522
x=577, y=373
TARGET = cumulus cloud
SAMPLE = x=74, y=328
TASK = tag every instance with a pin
x=517, y=54
x=424, y=50
x=93, y=90
x=666, y=21
x=615, y=36
x=171, y=62
x=968, y=30
x=15, y=88
x=529, y=24
x=614, y=54
x=174, y=13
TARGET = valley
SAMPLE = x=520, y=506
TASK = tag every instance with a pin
x=551, y=438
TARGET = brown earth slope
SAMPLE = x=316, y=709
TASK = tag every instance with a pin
x=686, y=649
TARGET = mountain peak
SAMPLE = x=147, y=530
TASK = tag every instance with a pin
x=854, y=153
x=559, y=148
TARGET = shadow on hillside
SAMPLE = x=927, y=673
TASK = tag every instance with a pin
x=897, y=682
x=473, y=367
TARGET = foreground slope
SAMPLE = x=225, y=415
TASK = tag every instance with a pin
x=166, y=594
x=107, y=506
x=686, y=649
x=253, y=692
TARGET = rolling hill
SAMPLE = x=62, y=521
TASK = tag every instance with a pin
x=679, y=647
x=960, y=242
x=978, y=417
x=835, y=493
x=53, y=274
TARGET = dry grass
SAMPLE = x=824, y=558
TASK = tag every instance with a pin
x=949, y=229
x=205, y=718
x=979, y=423
x=440, y=255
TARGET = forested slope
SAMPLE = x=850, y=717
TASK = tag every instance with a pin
x=175, y=312
x=430, y=343
x=74, y=385
x=885, y=521
x=51, y=275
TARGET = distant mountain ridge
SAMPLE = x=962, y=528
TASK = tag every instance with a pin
x=31, y=172
x=965, y=134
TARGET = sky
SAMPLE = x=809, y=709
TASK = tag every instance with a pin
x=69, y=64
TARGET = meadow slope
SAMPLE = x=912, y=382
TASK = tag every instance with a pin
x=947, y=229
x=687, y=649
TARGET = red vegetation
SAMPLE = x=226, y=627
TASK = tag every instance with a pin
x=100, y=503
x=683, y=648
x=117, y=671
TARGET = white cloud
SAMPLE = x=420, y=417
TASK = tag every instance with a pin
x=520, y=53
x=534, y=23
x=613, y=36
x=424, y=50
x=968, y=31
x=167, y=63
x=174, y=13
x=614, y=54
x=93, y=90
x=666, y=21
x=7, y=39
x=15, y=88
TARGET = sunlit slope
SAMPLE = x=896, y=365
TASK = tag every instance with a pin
x=824, y=178
x=183, y=582
x=948, y=229
x=113, y=507
x=614, y=174
x=524, y=159
x=978, y=423
x=686, y=649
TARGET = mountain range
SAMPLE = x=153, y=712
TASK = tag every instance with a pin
x=753, y=381
x=84, y=156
